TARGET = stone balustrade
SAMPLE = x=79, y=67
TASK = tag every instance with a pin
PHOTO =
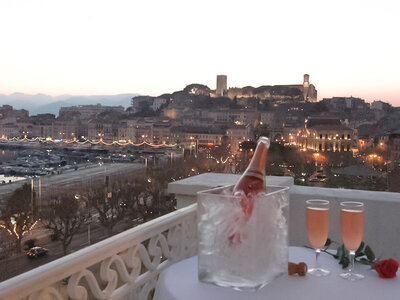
x=125, y=266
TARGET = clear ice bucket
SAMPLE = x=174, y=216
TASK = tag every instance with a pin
x=244, y=254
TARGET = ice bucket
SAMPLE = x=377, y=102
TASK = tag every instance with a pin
x=258, y=253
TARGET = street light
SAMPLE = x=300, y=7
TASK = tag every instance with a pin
x=316, y=157
x=372, y=156
x=89, y=217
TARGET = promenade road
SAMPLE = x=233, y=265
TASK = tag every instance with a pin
x=94, y=173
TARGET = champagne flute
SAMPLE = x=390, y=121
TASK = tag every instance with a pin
x=352, y=226
x=318, y=230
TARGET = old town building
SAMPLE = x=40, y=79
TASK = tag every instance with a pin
x=325, y=134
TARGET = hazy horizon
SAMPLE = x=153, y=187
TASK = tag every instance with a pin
x=98, y=47
x=55, y=98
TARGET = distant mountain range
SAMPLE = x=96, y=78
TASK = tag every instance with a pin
x=40, y=103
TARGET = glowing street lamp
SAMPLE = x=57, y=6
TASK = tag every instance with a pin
x=316, y=157
x=372, y=156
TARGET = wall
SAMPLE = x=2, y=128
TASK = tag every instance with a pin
x=381, y=223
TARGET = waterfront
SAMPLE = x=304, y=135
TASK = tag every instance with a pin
x=10, y=179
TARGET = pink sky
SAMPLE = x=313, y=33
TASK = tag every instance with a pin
x=97, y=47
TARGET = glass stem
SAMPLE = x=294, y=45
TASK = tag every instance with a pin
x=352, y=254
x=317, y=253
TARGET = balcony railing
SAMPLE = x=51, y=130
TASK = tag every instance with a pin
x=126, y=266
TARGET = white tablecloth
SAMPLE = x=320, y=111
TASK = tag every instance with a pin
x=180, y=282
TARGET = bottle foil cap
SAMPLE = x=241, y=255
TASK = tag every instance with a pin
x=265, y=141
x=256, y=173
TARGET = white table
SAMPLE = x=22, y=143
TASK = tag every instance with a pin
x=180, y=282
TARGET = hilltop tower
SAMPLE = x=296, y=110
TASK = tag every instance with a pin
x=306, y=80
x=222, y=85
x=306, y=85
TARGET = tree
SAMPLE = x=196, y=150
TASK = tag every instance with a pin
x=155, y=187
x=134, y=195
x=108, y=202
x=261, y=130
x=248, y=145
x=64, y=217
x=222, y=152
x=6, y=249
x=19, y=215
x=146, y=196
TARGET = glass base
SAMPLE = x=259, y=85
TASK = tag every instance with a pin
x=351, y=276
x=319, y=272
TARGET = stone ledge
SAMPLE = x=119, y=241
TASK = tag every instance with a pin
x=191, y=185
x=186, y=189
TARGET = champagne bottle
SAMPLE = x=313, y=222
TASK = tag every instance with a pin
x=253, y=179
x=251, y=183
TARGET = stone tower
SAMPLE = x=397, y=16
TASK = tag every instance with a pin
x=222, y=85
x=306, y=85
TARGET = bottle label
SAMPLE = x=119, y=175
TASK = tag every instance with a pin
x=256, y=173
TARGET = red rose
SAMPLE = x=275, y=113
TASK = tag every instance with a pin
x=387, y=268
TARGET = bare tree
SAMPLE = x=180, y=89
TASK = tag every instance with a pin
x=155, y=189
x=64, y=217
x=6, y=249
x=108, y=203
x=261, y=130
x=135, y=196
x=158, y=201
x=18, y=217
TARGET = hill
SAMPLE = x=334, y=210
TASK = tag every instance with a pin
x=40, y=103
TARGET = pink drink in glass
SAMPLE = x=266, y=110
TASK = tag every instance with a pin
x=317, y=226
x=352, y=225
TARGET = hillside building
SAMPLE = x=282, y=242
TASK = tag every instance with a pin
x=88, y=111
x=11, y=114
x=325, y=134
x=299, y=92
x=394, y=149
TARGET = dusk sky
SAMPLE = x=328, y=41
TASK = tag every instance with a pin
x=92, y=47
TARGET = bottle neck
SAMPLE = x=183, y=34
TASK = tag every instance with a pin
x=257, y=164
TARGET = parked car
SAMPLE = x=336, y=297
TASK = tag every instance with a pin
x=36, y=252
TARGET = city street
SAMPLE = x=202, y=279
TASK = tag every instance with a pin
x=17, y=264
x=14, y=264
x=84, y=173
